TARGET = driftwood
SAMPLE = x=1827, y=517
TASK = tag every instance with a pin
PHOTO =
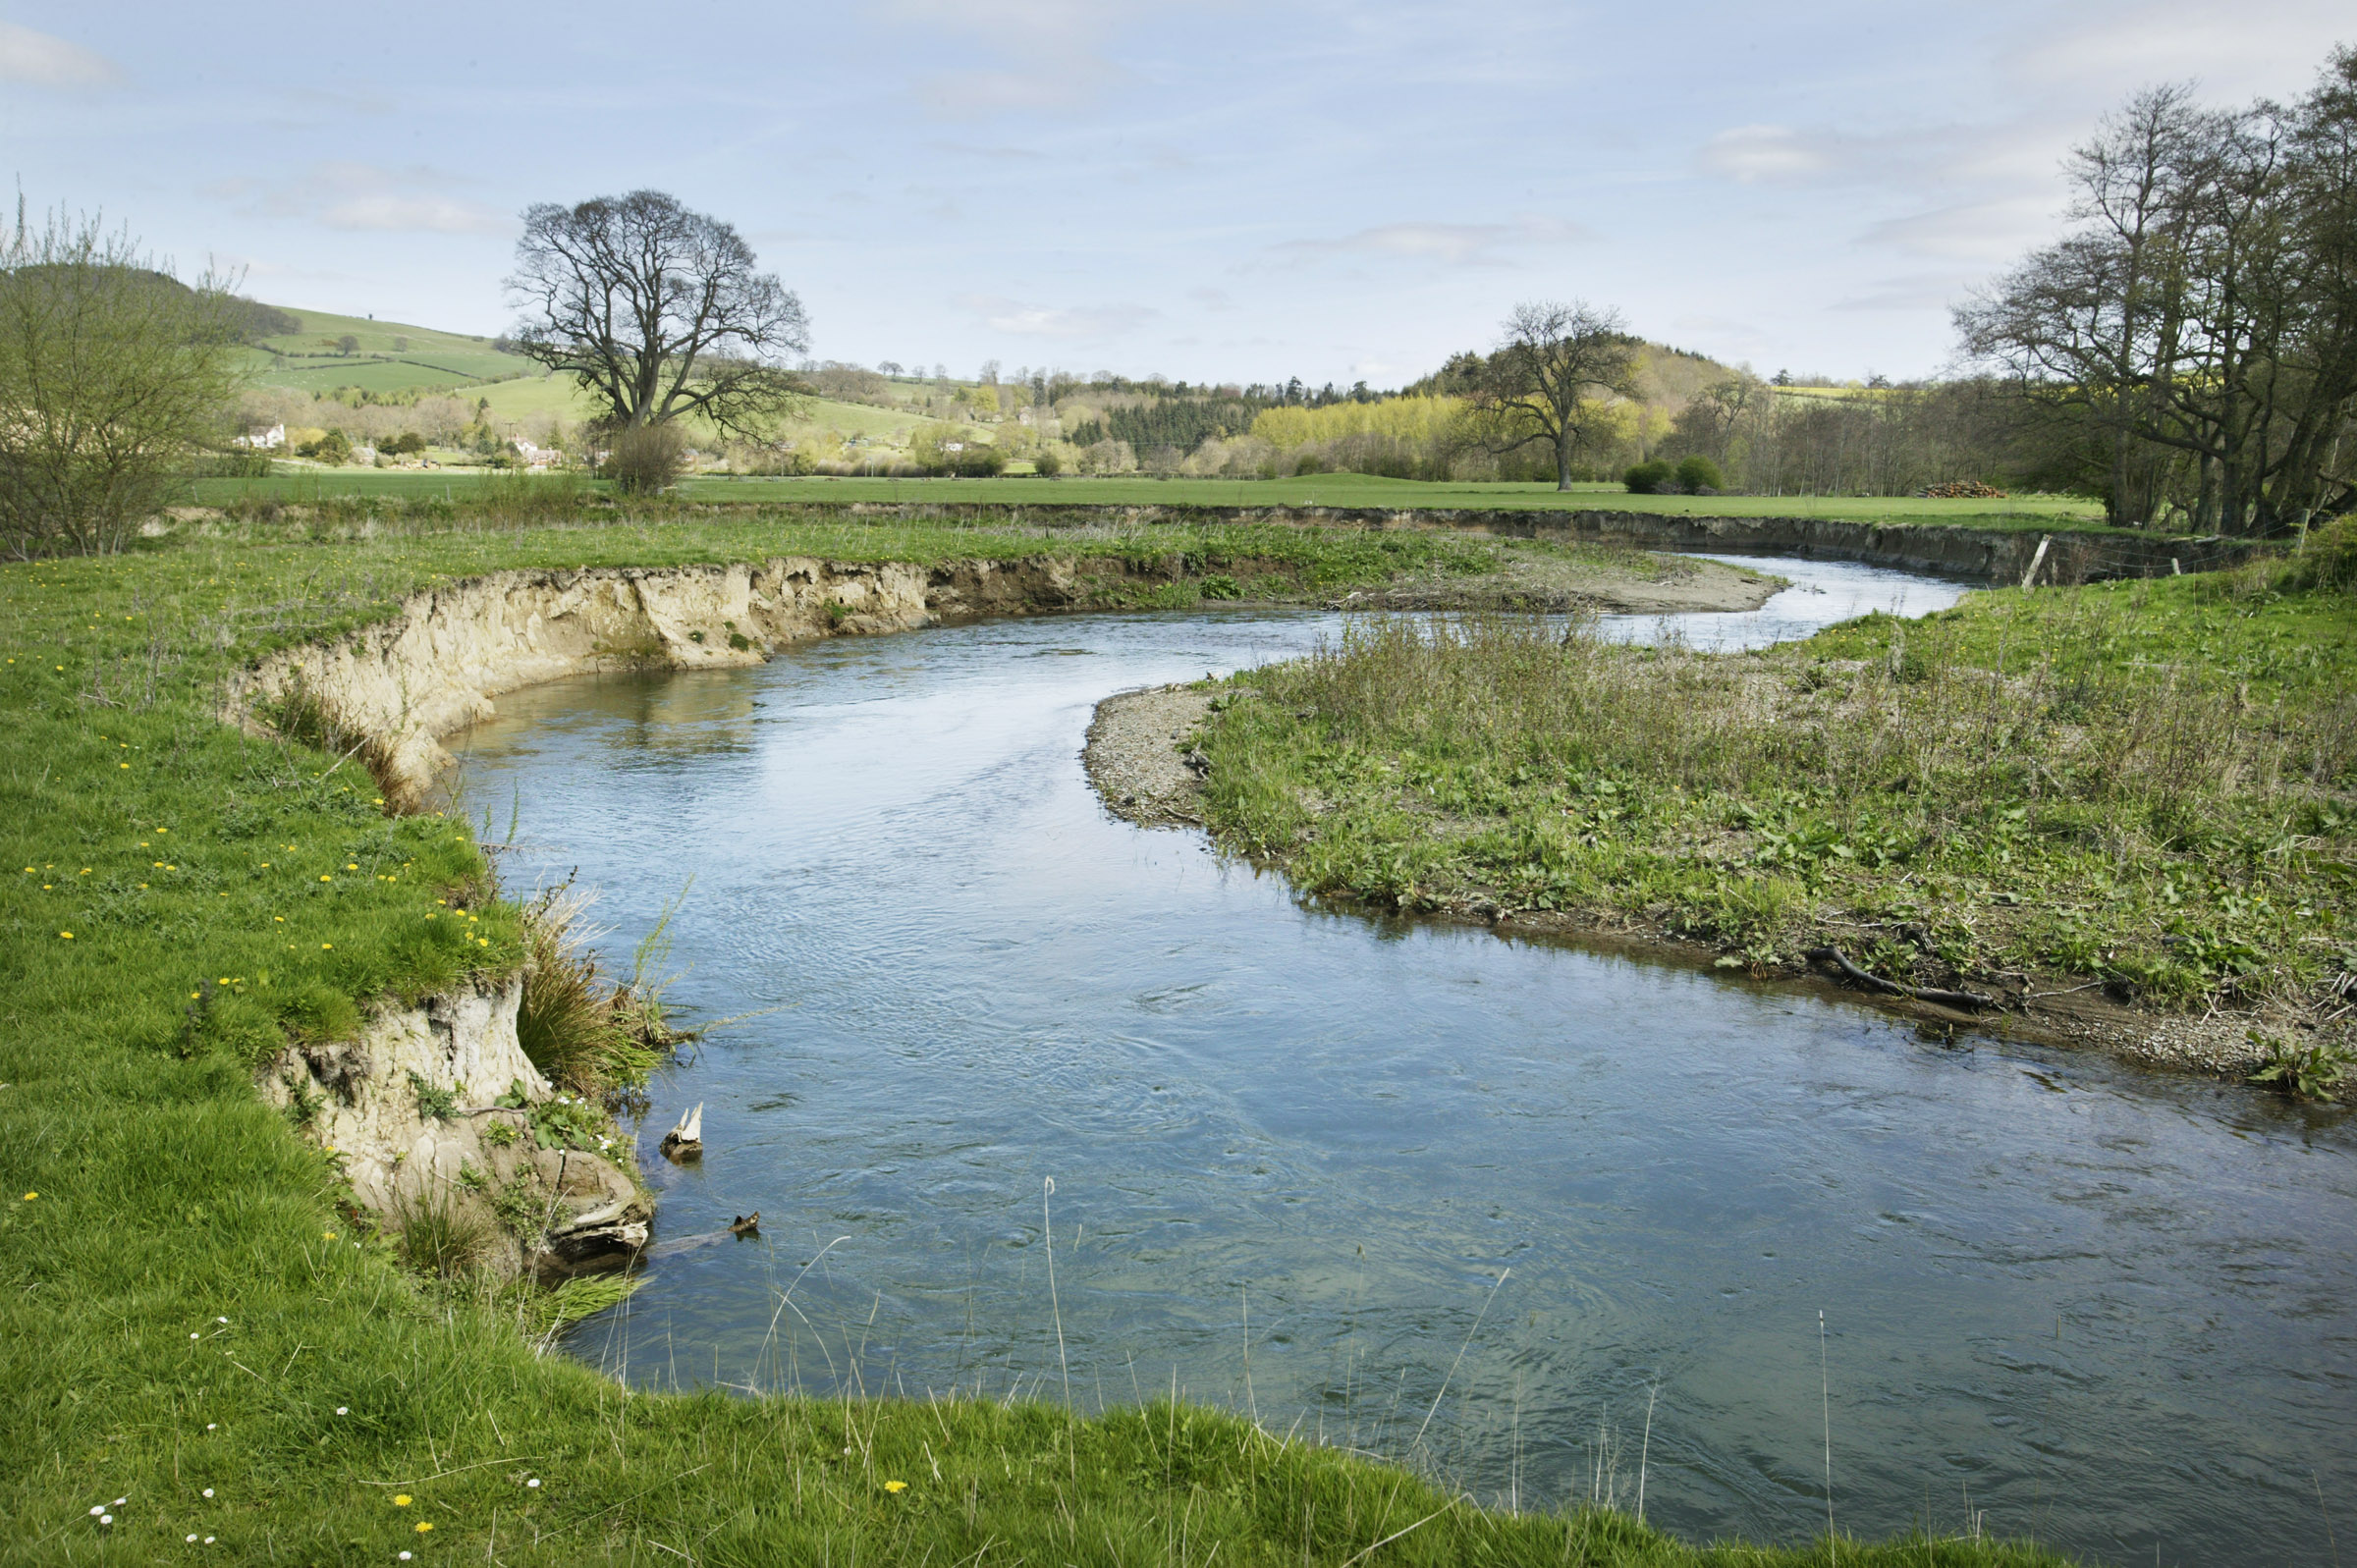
x=1856, y=976
x=686, y=1140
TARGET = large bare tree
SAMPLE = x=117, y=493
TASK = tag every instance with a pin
x=1552, y=379
x=658, y=310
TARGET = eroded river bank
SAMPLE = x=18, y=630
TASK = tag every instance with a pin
x=1294, y=1152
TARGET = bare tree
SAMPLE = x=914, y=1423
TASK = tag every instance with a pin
x=114, y=374
x=1556, y=370
x=658, y=310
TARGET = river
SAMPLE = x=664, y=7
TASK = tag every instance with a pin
x=1547, y=1221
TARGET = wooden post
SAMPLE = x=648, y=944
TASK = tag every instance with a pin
x=2174, y=569
x=2035, y=561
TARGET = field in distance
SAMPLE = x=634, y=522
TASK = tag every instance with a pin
x=386, y=357
x=1322, y=490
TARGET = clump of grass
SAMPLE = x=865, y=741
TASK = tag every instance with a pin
x=593, y=1037
x=438, y=1233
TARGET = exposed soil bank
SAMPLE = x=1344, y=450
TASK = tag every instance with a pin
x=398, y=687
x=1983, y=555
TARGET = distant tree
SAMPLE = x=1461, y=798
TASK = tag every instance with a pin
x=645, y=458
x=891, y=367
x=114, y=376
x=1697, y=474
x=990, y=374
x=1048, y=464
x=1550, y=380
x=658, y=310
x=1649, y=479
x=1783, y=378
x=401, y=345
x=348, y=345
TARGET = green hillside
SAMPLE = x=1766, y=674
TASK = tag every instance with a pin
x=388, y=356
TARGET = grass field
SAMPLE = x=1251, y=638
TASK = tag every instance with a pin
x=208, y=1353
x=1324, y=490
x=391, y=356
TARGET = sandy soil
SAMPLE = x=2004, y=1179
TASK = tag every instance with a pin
x=1624, y=583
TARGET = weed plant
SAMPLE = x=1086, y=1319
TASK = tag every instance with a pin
x=202, y=1336
x=2145, y=783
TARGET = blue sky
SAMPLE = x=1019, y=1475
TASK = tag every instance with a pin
x=1200, y=188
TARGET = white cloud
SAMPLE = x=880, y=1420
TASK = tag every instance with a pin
x=363, y=196
x=2253, y=47
x=1749, y=154
x=1450, y=244
x=1072, y=323
x=1988, y=232
x=1049, y=54
x=47, y=60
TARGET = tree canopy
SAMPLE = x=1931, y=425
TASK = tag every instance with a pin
x=658, y=310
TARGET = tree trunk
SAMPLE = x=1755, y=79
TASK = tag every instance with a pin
x=1562, y=461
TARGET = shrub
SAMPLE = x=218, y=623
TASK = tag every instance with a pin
x=979, y=460
x=1698, y=474
x=642, y=459
x=1649, y=479
x=1047, y=463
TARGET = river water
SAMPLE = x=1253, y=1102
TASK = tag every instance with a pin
x=1538, y=1218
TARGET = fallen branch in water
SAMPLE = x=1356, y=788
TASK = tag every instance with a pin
x=1891, y=988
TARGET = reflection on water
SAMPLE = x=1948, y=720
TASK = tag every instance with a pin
x=2111, y=1310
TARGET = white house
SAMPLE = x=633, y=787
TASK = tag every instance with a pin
x=264, y=440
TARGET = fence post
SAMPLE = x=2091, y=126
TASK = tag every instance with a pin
x=2035, y=561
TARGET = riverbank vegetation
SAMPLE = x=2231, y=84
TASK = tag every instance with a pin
x=2146, y=792
x=206, y=1338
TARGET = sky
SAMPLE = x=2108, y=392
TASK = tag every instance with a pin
x=1208, y=190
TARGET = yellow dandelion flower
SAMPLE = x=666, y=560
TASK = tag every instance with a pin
x=401, y=1500
x=896, y=1485
x=29, y=1197
x=327, y=946
x=68, y=935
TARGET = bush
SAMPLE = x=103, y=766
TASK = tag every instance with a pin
x=1698, y=474
x=646, y=458
x=979, y=460
x=1048, y=464
x=333, y=447
x=1649, y=479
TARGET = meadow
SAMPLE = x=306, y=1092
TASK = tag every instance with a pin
x=213, y=1351
x=2048, y=513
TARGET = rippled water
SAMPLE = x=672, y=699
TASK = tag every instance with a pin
x=1294, y=1152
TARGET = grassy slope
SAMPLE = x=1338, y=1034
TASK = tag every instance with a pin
x=430, y=360
x=2048, y=513
x=184, y=1304
x=2156, y=791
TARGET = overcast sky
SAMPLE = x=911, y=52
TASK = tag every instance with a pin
x=1200, y=188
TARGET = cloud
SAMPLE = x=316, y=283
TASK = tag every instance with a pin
x=1749, y=154
x=1071, y=323
x=360, y=196
x=1046, y=54
x=1915, y=292
x=2257, y=47
x=47, y=60
x=1450, y=244
x=1988, y=232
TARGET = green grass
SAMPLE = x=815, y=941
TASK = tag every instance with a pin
x=2148, y=784
x=391, y=356
x=1324, y=490
x=192, y=1320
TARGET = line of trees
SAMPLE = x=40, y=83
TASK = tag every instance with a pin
x=2193, y=338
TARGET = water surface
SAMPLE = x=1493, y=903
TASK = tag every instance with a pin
x=1294, y=1152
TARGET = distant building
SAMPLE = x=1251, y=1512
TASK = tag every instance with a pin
x=263, y=440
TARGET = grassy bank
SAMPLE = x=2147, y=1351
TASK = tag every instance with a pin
x=1323, y=490
x=2138, y=792
x=203, y=1340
